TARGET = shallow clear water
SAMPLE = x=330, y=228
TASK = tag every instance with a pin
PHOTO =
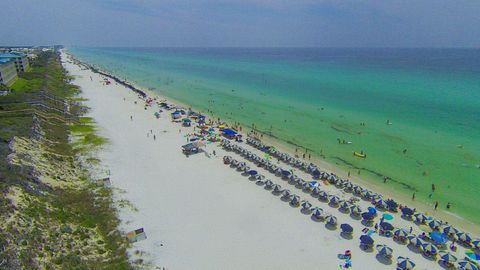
x=313, y=97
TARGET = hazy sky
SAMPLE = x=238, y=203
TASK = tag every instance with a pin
x=277, y=23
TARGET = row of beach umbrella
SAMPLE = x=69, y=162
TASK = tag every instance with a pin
x=376, y=198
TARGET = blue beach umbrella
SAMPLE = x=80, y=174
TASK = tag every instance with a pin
x=366, y=240
x=407, y=211
x=386, y=226
x=252, y=172
x=372, y=210
x=368, y=216
x=346, y=228
x=391, y=204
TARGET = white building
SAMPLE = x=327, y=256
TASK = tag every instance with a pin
x=8, y=71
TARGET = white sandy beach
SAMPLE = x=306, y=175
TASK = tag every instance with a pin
x=200, y=214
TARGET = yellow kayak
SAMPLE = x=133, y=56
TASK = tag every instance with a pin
x=357, y=154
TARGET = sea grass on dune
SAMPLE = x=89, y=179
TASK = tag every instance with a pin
x=53, y=215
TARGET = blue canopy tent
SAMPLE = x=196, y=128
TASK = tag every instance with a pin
x=229, y=133
x=438, y=237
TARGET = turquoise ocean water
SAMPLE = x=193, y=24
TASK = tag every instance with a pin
x=316, y=97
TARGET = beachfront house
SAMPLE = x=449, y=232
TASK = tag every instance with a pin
x=8, y=72
x=20, y=60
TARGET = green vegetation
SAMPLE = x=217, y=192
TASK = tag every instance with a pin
x=53, y=215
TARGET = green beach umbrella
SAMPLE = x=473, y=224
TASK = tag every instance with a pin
x=387, y=216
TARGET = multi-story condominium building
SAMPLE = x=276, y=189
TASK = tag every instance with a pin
x=8, y=71
x=20, y=60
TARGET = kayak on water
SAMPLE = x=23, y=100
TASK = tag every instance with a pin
x=357, y=154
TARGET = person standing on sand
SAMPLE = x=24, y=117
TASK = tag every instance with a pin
x=433, y=188
x=436, y=205
x=131, y=118
x=413, y=196
x=154, y=137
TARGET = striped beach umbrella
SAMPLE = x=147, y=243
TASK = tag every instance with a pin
x=448, y=257
x=277, y=188
x=349, y=186
x=357, y=190
x=323, y=195
x=334, y=199
x=356, y=210
x=476, y=243
x=317, y=212
x=330, y=219
x=381, y=204
x=268, y=184
x=401, y=233
x=464, y=237
x=305, y=204
x=449, y=230
x=286, y=193
x=307, y=187
x=415, y=241
x=434, y=223
x=259, y=177
x=429, y=247
x=345, y=205
x=385, y=250
x=421, y=218
x=405, y=263
x=316, y=191
x=294, y=200
x=468, y=265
